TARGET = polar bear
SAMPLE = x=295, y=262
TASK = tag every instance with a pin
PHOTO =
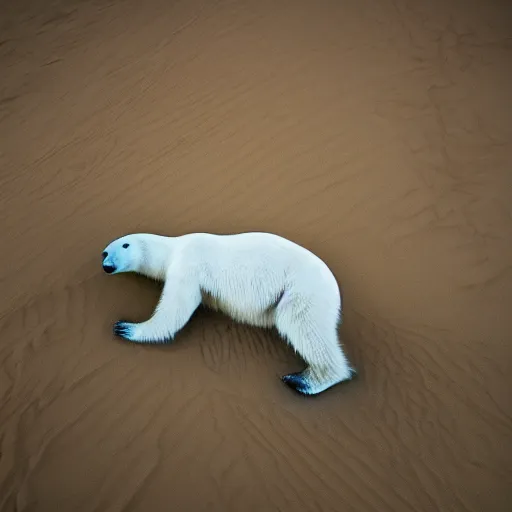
x=260, y=279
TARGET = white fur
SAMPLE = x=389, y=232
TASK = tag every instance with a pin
x=257, y=278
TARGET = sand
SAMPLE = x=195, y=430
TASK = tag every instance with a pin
x=375, y=133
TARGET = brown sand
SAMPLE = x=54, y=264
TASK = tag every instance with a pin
x=376, y=133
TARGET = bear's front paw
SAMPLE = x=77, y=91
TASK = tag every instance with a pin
x=125, y=330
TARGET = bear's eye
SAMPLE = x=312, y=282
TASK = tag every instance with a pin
x=125, y=246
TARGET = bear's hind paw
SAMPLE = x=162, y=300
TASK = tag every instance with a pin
x=297, y=382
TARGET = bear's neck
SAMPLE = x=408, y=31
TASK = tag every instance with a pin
x=157, y=253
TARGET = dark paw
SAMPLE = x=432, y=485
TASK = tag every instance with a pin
x=123, y=330
x=297, y=382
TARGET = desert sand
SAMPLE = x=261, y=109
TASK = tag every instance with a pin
x=375, y=133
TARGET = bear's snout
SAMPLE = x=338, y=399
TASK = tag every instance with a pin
x=108, y=268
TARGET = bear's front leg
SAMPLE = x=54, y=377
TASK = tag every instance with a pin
x=177, y=304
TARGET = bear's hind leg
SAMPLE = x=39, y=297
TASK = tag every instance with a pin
x=312, y=333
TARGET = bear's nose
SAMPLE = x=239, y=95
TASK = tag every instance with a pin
x=109, y=268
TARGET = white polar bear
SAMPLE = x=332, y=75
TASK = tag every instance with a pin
x=259, y=279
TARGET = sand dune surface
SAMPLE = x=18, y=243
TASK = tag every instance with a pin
x=375, y=133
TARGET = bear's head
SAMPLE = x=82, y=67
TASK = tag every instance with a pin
x=123, y=255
